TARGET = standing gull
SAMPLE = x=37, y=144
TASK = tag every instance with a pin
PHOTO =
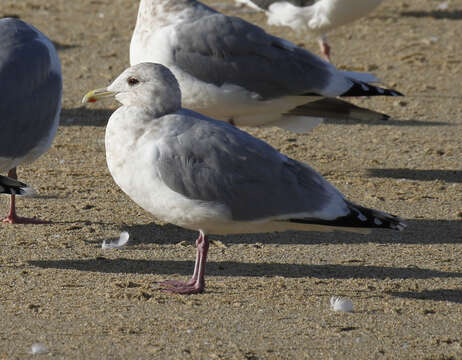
x=209, y=176
x=30, y=98
x=234, y=71
x=314, y=17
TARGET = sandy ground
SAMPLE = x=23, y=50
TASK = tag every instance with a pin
x=267, y=295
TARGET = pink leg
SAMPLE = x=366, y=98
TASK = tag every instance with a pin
x=325, y=48
x=197, y=282
x=12, y=218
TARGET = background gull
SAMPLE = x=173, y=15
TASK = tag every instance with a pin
x=234, y=71
x=30, y=98
x=209, y=176
x=314, y=17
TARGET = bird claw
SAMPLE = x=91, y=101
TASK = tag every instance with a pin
x=184, y=290
x=178, y=287
x=175, y=283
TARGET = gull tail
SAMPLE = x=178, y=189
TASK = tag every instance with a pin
x=332, y=108
x=14, y=187
x=364, y=89
x=358, y=218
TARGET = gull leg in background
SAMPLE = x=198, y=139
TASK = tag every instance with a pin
x=196, y=284
x=31, y=100
x=12, y=217
x=325, y=47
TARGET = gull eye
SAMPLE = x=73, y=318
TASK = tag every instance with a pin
x=132, y=81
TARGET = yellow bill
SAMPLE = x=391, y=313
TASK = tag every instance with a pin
x=97, y=94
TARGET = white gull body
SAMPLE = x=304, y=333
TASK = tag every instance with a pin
x=314, y=17
x=209, y=176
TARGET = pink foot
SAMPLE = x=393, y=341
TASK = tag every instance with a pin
x=196, y=284
x=325, y=48
x=176, y=283
x=185, y=288
x=12, y=218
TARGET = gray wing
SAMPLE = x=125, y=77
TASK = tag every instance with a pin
x=208, y=160
x=265, y=4
x=30, y=93
x=221, y=49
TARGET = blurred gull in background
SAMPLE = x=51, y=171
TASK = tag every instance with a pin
x=30, y=99
x=314, y=17
x=234, y=71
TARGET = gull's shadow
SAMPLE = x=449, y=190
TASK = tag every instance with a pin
x=452, y=295
x=391, y=122
x=232, y=268
x=49, y=196
x=159, y=234
x=83, y=116
x=450, y=176
x=436, y=14
x=418, y=232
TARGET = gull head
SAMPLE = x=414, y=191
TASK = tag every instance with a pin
x=149, y=85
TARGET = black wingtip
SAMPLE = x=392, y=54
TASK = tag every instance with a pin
x=360, y=217
x=364, y=89
x=13, y=187
x=374, y=218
